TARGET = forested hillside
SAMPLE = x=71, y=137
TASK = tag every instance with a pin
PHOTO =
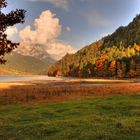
x=117, y=55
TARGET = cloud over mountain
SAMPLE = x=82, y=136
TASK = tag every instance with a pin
x=45, y=35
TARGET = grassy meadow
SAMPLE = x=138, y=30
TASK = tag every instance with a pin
x=70, y=111
x=109, y=118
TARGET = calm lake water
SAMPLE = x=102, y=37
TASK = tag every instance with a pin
x=27, y=78
x=6, y=79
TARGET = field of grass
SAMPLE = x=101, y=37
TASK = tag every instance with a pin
x=69, y=111
x=101, y=118
x=61, y=91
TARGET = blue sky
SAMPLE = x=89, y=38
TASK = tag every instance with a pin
x=82, y=21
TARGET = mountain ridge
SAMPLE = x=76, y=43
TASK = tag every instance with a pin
x=116, y=55
x=18, y=64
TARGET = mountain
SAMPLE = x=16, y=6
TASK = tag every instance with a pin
x=18, y=64
x=35, y=50
x=116, y=55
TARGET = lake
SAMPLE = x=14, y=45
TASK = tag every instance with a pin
x=27, y=78
x=41, y=78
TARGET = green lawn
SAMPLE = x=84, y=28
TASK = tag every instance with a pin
x=110, y=118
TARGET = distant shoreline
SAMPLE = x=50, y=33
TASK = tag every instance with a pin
x=26, y=78
x=9, y=81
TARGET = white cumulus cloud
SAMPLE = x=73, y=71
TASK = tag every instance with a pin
x=11, y=31
x=45, y=34
x=68, y=29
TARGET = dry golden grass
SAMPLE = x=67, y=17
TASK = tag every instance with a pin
x=101, y=80
x=59, y=91
x=9, y=85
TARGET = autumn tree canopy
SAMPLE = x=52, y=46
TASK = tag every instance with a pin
x=6, y=20
x=116, y=55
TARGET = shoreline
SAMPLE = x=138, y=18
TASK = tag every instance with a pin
x=9, y=81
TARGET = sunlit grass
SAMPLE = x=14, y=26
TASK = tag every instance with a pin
x=115, y=118
x=9, y=85
x=70, y=111
x=61, y=91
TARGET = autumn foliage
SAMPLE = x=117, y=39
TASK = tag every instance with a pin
x=117, y=55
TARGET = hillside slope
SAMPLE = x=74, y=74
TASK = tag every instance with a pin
x=19, y=64
x=117, y=55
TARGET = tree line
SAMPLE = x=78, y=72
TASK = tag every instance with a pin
x=117, y=55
